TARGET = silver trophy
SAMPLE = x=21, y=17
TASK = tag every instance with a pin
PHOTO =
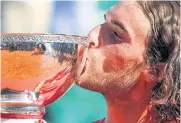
x=37, y=69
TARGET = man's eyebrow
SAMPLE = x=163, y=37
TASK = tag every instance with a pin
x=117, y=23
x=120, y=25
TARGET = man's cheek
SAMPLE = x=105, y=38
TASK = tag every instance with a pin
x=113, y=64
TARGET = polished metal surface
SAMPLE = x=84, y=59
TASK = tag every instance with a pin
x=22, y=109
x=36, y=70
x=15, y=98
x=15, y=37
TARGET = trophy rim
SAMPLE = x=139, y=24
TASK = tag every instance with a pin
x=43, y=37
x=39, y=34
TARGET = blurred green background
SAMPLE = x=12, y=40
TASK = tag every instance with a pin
x=77, y=106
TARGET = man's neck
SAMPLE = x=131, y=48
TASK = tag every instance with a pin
x=132, y=107
x=128, y=112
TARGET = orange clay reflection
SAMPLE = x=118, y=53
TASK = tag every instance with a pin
x=24, y=69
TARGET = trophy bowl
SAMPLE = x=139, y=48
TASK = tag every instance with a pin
x=37, y=69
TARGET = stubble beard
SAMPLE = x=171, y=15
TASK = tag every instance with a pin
x=112, y=85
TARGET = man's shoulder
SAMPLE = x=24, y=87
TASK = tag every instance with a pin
x=99, y=121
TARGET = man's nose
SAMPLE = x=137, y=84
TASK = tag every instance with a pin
x=93, y=35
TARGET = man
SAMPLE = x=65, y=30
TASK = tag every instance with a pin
x=133, y=60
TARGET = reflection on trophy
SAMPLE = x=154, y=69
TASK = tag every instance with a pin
x=37, y=69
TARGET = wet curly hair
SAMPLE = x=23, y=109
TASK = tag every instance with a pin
x=164, y=46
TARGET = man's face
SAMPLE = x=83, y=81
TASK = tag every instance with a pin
x=115, y=56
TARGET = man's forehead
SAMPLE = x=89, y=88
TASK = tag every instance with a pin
x=130, y=7
x=131, y=15
x=121, y=4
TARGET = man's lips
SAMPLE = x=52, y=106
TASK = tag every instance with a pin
x=84, y=66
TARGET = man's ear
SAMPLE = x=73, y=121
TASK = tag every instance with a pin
x=154, y=74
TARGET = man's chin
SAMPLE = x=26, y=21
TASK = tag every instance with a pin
x=77, y=82
x=82, y=78
x=80, y=82
x=87, y=85
x=83, y=84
